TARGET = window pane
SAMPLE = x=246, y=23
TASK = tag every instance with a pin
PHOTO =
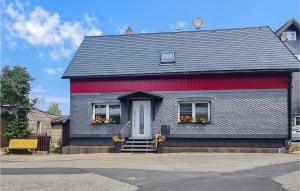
x=167, y=57
x=114, y=113
x=298, y=121
x=100, y=113
x=185, y=112
x=141, y=119
x=201, y=112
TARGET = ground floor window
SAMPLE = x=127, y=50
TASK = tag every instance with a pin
x=194, y=112
x=106, y=114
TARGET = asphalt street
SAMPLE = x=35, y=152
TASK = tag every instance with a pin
x=255, y=179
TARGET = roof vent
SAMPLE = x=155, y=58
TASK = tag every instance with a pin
x=178, y=30
x=129, y=31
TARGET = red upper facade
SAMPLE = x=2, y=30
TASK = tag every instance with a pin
x=182, y=82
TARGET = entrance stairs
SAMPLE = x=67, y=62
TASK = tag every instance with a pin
x=139, y=145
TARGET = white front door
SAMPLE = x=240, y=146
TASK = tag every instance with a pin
x=141, y=119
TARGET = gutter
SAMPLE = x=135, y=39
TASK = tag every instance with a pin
x=183, y=73
x=288, y=141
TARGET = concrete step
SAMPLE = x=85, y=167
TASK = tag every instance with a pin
x=138, y=150
x=137, y=146
x=140, y=138
x=140, y=142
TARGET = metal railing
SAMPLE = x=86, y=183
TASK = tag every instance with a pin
x=154, y=132
x=125, y=131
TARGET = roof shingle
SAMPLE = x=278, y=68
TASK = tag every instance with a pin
x=256, y=48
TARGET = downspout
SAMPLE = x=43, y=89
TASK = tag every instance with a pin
x=288, y=141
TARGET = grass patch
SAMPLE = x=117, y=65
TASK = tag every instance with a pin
x=295, y=148
x=55, y=150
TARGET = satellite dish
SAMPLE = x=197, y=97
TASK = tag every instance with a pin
x=198, y=22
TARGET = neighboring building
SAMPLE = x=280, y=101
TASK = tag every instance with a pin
x=40, y=121
x=44, y=123
x=217, y=88
x=60, y=131
x=289, y=34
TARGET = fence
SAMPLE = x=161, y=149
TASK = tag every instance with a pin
x=43, y=141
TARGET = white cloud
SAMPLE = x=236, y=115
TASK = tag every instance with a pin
x=178, y=25
x=143, y=31
x=43, y=28
x=44, y=102
x=38, y=89
x=56, y=99
x=52, y=71
x=59, y=52
x=47, y=99
x=122, y=29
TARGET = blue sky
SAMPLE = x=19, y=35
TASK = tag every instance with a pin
x=43, y=35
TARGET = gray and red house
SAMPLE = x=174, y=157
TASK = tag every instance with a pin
x=289, y=35
x=204, y=88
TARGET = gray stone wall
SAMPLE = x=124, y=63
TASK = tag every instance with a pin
x=55, y=130
x=234, y=114
x=45, y=119
x=56, y=134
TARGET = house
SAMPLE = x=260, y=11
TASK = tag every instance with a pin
x=55, y=126
x=289, y=34
x=203, y=88
x=44, y=123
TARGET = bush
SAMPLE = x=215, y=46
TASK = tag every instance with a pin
x=16, y=128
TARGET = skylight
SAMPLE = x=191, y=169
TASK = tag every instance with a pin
x=167, y=58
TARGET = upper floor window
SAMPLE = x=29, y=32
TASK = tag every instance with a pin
x=194, y=112
x=167, y=58
x=106, y=114
x=291, y=35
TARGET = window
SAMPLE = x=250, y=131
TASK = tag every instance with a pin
x=289, y=35
x=38, y=127
x=186, y=112
x=104, y=113
x=114, y=113
x=194, y=112
x=167, y=58
x=201, y=112
x=297, y=121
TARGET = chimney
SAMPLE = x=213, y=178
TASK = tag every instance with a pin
x=129, y=31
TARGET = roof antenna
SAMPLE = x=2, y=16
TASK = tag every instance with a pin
x=198, y=22
x=129, y=31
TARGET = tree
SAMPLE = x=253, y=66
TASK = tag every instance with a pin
x=54, y=109
x=15, y=88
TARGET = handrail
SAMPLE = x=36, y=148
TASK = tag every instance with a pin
x=154, y=131
x=125, y=131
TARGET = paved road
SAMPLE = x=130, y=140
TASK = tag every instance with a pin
x=275, y=177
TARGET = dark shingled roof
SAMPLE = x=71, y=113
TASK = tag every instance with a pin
x=224, y=50
x=60, y=119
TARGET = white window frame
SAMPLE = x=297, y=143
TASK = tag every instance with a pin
x=298, y=126
x=167, y=63
x=194, y=110
x=106, y=110
x=289, y=35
